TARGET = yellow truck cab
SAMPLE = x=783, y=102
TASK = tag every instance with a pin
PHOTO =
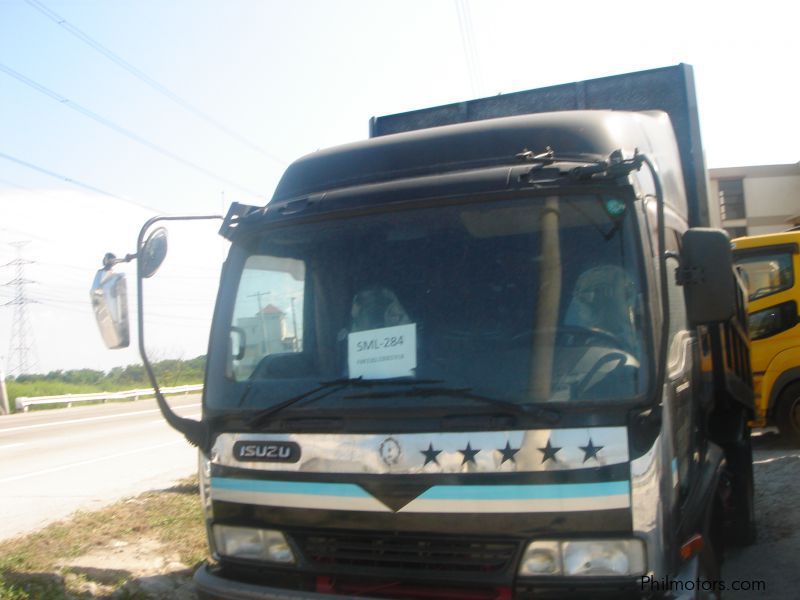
x=770, y=265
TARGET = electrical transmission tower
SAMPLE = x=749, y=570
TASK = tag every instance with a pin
x=21, y=346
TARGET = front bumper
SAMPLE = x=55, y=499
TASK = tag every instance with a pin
x=211, y=586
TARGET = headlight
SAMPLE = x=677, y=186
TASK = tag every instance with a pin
x=542, y=558
x=583, y=558
x=256, y=544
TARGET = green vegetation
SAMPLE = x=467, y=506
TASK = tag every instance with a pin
x=43, y=564
x=83, y=381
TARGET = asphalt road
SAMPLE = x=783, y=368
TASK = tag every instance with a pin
x=55, y=462
x=769, y=566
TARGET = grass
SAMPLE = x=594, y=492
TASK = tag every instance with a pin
x=32, y=389
x=33, y=566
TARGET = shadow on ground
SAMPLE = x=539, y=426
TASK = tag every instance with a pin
x=191, y=489
x=86, y=584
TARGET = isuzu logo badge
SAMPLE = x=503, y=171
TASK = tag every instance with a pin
x=287, y=452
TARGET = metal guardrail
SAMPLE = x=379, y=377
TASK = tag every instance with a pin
x=23, y=402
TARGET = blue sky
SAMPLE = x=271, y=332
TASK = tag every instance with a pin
x=291, y=77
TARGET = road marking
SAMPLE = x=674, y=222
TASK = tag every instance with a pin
x=4, y=446
x=87, y=419
x=88, y=462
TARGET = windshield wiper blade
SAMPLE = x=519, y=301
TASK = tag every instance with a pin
x=329, y=387
x=540, y=413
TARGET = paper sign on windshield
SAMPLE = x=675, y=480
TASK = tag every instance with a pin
x=383, y=353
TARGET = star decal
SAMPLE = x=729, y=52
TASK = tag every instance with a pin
x=508, y=453
x=431, y=454
x=590, y=451
x=549, y=451
x=469, y=454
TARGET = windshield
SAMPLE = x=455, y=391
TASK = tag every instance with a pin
x=766, y=272
x=528, y=300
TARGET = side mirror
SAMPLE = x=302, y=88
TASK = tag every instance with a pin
x=706, y=273
x=153, y=252
x=110, y=303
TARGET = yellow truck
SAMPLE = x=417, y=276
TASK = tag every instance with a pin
x=770, y=265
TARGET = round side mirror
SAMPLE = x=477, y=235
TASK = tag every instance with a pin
x=153, y=252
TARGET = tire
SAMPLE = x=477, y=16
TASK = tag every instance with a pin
x=787, y=414
x=710, y=559
x=741, y=528
x=709, y=572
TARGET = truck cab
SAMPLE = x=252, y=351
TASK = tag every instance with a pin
x=771, y=265
x=485, y=354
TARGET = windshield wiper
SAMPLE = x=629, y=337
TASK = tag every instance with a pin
x=540, y=413
x=330, y=387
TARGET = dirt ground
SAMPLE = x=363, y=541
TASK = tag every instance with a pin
x=149, y=568
x=773, y=559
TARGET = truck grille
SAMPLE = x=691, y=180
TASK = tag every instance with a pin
x=406, y=552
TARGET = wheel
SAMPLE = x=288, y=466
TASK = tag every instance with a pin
x=787, y=414
x=709, y=576
x=711, y=555
x=741, y=526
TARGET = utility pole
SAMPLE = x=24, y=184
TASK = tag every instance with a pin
x=4, y=409
x=261, y=319
x=21, y=347
x=295, y=342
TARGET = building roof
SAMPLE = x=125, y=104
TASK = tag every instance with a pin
x=756, y=171
x=271, y=309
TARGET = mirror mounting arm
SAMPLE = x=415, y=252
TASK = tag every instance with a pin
x=196, y=432
x=109, y=260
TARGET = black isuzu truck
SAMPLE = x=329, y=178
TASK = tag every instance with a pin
x=492, y=352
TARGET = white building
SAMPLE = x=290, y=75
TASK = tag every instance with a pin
x=265, y=333
x=757, y=199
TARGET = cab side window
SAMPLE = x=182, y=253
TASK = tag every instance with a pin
x=773, y=320
x=766, y=273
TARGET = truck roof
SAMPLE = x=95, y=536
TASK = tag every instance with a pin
x=573, y=135
x=669, y=89
x=768, y=239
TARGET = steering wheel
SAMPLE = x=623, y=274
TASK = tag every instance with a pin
x=583, y=384
x=588, y=333
x=585, y=333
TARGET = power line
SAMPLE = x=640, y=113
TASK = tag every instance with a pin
x=62, y=22
x=121, y=130
x=26, y=234
x=76, y=182
x=468, y=43
x=20, y=187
